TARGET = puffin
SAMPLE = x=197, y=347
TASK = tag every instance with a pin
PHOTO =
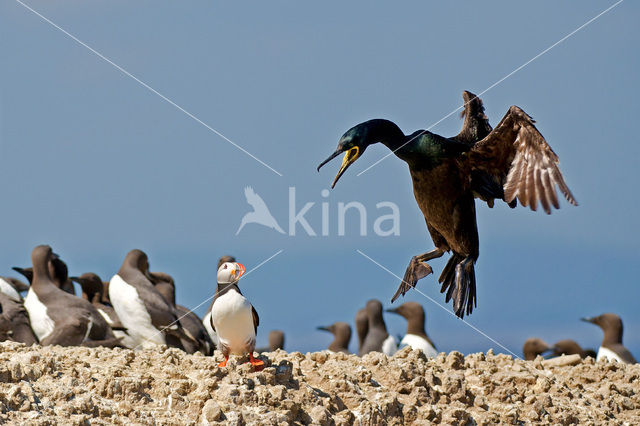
x=59, y=274
x=378, y=339
x=206, y=320
x=147, y=316
x=59, y=318
x=512, y=162
x=533, y=347
x=611, y=347
x=93, y=290
x=233, y=318
x=165, y=284
x=341, y=336
x=416, y=335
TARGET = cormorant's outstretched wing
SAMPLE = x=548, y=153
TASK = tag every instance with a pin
x=519, y=160
x=476, y=124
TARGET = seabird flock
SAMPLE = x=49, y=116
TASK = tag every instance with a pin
x=137, y=307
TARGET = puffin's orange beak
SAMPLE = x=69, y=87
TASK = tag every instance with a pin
x=240, y=271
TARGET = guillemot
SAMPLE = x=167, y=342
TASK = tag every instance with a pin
x=93, y=290
x=341, y=336
x=571, y=347
x=165, y=284
x=362, y=326
x=378, y=339
x=276, y=341
x=611, y=347
x=58, y=271
x=416, y=335
x=147, y=316
x=533, y=347
x=59, y=318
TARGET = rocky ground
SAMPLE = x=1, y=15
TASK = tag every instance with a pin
x=54, y=385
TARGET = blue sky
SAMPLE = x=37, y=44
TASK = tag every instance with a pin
x=95, y=164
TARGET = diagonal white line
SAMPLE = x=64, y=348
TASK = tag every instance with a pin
x=473, y=327
x=212, y=296
x=495, y=84
x=146, y=86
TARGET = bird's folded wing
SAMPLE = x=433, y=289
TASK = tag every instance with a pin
x=256, y=318
x=518, y=157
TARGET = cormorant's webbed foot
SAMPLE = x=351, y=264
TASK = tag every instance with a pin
x=458, y=279
x=417, y=269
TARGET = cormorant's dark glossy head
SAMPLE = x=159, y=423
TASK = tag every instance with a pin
x=353, y=142
x=359, y=137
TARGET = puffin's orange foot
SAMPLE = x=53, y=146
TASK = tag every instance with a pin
x=258, y=364
x=223, y=363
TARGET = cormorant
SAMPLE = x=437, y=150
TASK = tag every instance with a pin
x=511, y=162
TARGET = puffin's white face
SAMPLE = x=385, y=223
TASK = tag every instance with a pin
x=230, y=272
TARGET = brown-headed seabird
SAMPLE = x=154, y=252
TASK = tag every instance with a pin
x=341, y=336
x=378, y=339
x=57, y=317
x=533, y=347
x=416, y=335
x=611, y=347
x=276, y=341
x=147, y=316
x=165, y=284
x=93, y=289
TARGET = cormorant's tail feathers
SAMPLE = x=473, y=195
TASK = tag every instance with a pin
x=458, y=279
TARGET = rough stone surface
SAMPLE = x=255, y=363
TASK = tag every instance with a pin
x=54, y=385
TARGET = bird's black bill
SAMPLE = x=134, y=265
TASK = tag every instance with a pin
x=75, y=280
x=323, y=328
x=587, y=319
x=391, y=310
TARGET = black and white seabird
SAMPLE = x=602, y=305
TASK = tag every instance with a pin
x=93, y=290
x=611, y=347
x=141, y=308
x=276, y=341
x=378, y=339
x=206, y=319
x=165, y=284
x=533, y=347
x=233, y=318
x=57, y=317
x=416, y=336
x=12, y=287
x=571, y=347
x=14, y=321
x=341, y=336
x=362, y=326
x=58, y=272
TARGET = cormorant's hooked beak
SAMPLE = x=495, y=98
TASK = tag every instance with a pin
x=323, y=328
x=392, y=310
x=349, y=158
